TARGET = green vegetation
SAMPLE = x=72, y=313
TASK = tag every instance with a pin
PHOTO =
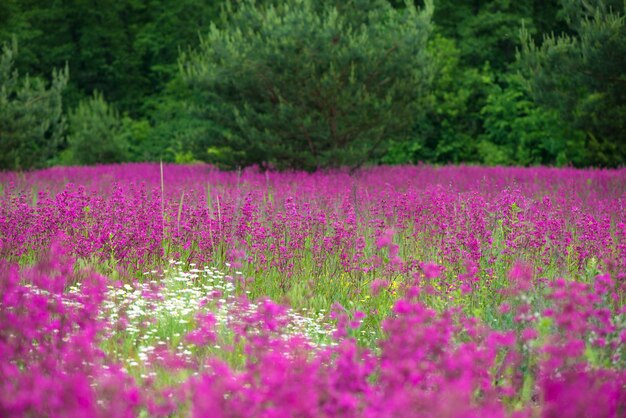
x=300, y=87
x=582, y=78
x=95, y=133
x=31, y=117
x=308, y=84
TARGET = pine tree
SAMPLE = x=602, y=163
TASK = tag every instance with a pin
x=31, y=118
x=303, y=84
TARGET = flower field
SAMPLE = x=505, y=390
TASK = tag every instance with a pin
x=151, y=290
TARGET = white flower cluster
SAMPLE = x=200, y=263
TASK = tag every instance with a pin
x=159, y=312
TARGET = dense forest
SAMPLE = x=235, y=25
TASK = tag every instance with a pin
x=309, y=84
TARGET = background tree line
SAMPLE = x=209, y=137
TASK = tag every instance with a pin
x=308, y=84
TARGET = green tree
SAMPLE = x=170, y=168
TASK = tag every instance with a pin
x=95, y=39
x=519, y=132
x=168, y=27
x=303, y=85
x=176, y=135
x=583, y=78
x=96, y=134
x=127, y=49
x=12, y=20
x=474, y=44
x=447, y=129
x=487, y=31
x=31, y=119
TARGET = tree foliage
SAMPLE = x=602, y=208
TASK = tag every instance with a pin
x=31, y=118
x=487, y=31
x=306, y=84
x=96, y=133
x=517, y=131
x=583, y=78
x=446, y=129
x=126, y=49
x=299, y=85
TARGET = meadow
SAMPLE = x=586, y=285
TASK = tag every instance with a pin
x=173, y=290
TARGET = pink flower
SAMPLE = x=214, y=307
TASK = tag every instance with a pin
x=378, y=285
